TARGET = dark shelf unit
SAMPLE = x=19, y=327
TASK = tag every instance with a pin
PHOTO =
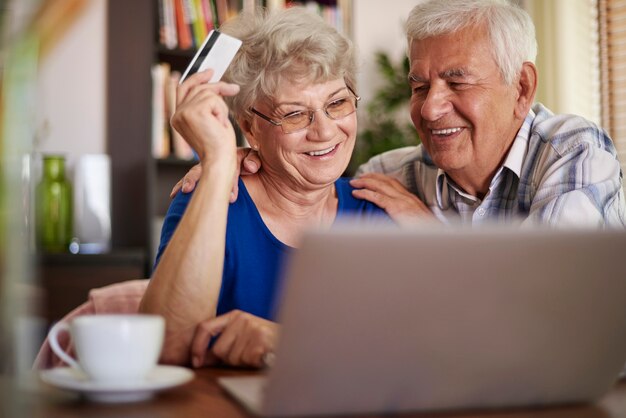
x=67, y=278
x=131, y=31
x=140, y=184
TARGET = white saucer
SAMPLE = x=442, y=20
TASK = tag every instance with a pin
x=162, y=377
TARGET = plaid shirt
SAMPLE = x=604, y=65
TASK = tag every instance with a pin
x=561, y=171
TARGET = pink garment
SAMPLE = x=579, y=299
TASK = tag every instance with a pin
x=123, y=297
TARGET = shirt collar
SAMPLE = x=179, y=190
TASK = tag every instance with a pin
x=444, y=184
x=519, y=148
x=442, y=190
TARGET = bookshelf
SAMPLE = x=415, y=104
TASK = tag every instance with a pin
x=141, y=178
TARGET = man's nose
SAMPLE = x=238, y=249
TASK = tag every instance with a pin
x=437, y=103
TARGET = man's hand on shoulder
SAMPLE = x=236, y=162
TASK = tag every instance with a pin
x=388, y=193
x=249, y=163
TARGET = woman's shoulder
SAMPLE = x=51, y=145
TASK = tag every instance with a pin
x=179, y=203
x=343, y=188
x=343, y=183
x=244, y=198
x=349, y=203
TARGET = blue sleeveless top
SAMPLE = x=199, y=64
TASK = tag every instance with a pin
x=254, y=256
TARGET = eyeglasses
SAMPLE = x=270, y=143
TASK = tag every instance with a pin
x=301, y=119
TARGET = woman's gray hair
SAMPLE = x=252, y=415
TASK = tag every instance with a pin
x=511, y=30
x=291, y=44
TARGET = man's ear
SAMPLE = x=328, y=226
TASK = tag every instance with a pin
x=526, y=89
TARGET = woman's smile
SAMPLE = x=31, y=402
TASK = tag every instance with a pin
x=327, y=152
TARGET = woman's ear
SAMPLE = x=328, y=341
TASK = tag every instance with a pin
x=246, y=128
x=526, y=89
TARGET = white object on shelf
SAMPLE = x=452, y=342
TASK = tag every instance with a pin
x=92, y=203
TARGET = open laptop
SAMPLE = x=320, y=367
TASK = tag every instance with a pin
x=388, y=320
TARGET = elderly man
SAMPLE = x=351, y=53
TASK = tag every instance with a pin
x=488, y=154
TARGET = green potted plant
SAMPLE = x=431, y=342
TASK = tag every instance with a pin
x=386, y=124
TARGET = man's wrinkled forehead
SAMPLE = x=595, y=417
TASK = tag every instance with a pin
x=460, y=41
x=470, y=26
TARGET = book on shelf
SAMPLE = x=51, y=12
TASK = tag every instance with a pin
x=185, y=40
x=222, y=10
x=275, y=4
x=197, y=21
x=189, y=11
x=346, y=14
x=180, y=147
x=184, y=24
x=167, y=24
x=166, y=141
x=160, y=131
x=209, y=14
x=336, y=13
x=227, y=9
x=248, y=5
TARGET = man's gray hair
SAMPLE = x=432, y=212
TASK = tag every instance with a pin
x=511, y=30
x=292, y=44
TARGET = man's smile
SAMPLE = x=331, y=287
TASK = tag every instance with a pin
x=447, y=131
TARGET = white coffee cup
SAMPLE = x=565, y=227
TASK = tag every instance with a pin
x=112, y=348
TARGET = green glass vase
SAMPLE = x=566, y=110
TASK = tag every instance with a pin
x=54, y=206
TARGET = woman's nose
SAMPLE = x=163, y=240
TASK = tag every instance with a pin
x=437, y=104
x=322, y=128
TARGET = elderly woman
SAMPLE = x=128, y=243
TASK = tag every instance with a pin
x=291, y=89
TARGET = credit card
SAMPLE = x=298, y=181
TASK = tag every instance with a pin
x=216, y=52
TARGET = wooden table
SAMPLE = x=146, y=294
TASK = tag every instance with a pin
x=202, y=397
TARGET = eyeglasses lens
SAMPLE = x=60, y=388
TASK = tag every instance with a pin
x=336, y=109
